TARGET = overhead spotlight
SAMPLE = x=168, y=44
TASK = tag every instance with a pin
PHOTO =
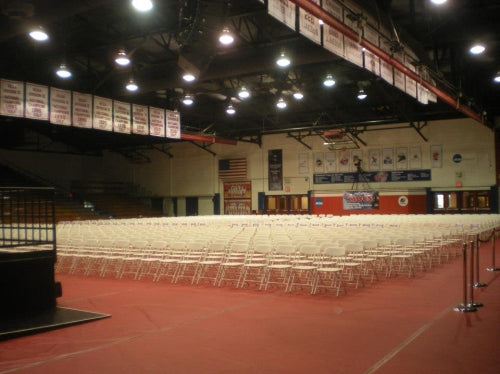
x=244, y=93
x=281, y=104
x=362, y=94
x=188, y=77
x=122, y=58
x=496, y=79
x=329, y=81
x=438, y=2
x=188, y=100
x=298, y=95
x=321, y=22
x=132, y=86
x=477, y=49
x=63, y=72
x=226, y=38
x=39, y=35
x=230, y=110
x=142, y=5
x=283, y=61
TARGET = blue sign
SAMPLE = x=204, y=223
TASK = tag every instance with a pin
x=318, y=202
x=374, y=176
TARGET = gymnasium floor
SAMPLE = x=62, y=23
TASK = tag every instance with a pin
x=396, y=325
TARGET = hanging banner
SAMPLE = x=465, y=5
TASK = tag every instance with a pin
x=374, y=176
x=173, y=124
x=121, y=116
x=410, y=84
x=11, y=98
x=82, y=110
x=140, y=119
x=353, y=52
x=37, y=102
x=275, y=170
x=360, y=200
x=103, y=114
x=386, y=68
x=156, y=121
x=237, y=197
x=60, y=107
x=399, y=77
x=333, y=40
x=283, y=11
x=309, y=25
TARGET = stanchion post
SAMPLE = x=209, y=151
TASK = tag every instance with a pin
x=493, y=249
x=472, y=303
x=477, y=283
x=464, y=307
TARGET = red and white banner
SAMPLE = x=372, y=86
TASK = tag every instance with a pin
x=103, y=113
x=333, y=40
x=309, y=25
x=237, y=198
x=282, y=10
x=82, y=110
x=121, y=116
x=173, y=124
x=140, y=119
x=60, y=106
x=11, y=98
x=37, y=102
x=156, y=121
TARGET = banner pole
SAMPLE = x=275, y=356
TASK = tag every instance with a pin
x=493, y=249
x=464, y=307
x=472, y=303
x=477, y=283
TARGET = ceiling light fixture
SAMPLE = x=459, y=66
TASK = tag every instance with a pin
x=226, y=38
x=188, y=100
x=362, y=94
x=63, y=72
x=244, y=93
x=230, y=110
x=132, y=86
x=298, y=95
x=142, y=5
x=122, y=58
x=438, y=2
x=477, y=49
x=496, y=79
x=39, y=35
x=188, y=77
x=283, y=61
x=329, y=81
x=281, y=104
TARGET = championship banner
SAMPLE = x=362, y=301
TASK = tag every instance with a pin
x=237, y=198
x=60, y=107
x=156, y=122
x=140, y=119
x=103, y=114
x=360, y=200
x=121, y=115
x=333, y=40
x=11, y=98
x=275, y=170
x=309, y=25
x=282, y=10
x=411, y=85
x=82, y=110
x=173, y=124
x=37, y=102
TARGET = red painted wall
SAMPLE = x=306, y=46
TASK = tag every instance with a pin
x=387, y=205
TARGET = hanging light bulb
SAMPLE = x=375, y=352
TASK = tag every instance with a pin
x=283, y=61
x=230, y=110
x=63, y=72
x=39, y=34
x=281, y=104
x=329, y=81
x=244, y=93
x=122, y=58
x=142, y=5
x=132, y=86
x=477, y=49
x=362, y=94
x=496, y=79
x=226, y=38
x=188, y=77
x=298, y=95
x=188, y=100
x=438, y=2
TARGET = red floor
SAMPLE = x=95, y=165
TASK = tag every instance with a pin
x=393, y=326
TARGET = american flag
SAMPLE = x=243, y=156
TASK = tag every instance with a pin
x=233, y=169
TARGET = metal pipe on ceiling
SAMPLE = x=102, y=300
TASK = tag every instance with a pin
x=330, y=20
